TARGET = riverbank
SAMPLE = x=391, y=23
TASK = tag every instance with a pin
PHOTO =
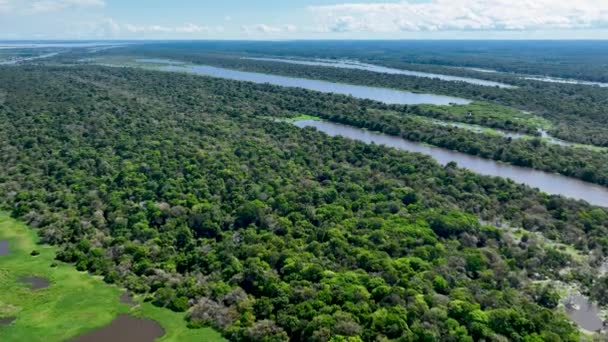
x=74, y=303
x=550, y=183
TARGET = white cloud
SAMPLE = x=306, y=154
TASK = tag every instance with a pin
x=290, y=28
x=444, y=15
x=185, y=29
x=5, y=6
x=268, y=29
x=45, y=6
x=110, y=28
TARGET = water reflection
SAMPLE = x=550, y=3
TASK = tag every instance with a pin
x=584, y=313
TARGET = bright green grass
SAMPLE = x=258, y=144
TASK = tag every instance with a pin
x=73, y=304
x=303, y=117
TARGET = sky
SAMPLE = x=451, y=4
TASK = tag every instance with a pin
x=303, y=19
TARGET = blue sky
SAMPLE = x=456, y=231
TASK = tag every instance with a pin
x=303, y=19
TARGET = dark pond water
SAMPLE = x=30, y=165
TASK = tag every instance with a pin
x=126, y=298
x=7, y=320
x=547, y=182
x=389, y=96
x=584, y=313
x=385, y=70
x=125, y=328
x=3, y=247
x=36, y=283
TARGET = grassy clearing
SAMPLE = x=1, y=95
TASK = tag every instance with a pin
x=73, y=304
x=292, y=119
x=482, y=112
x=302, y=117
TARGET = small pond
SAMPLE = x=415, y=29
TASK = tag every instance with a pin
x=4, y=248
x=124, y=328
x=584, y=313
x=36, y=283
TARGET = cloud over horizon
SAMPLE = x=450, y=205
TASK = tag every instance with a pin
x=25, y=7
x=462, y=15
x=304, y=19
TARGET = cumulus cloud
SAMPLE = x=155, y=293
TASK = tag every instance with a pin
x=446, y=15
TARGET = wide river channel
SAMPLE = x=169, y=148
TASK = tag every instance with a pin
x=344, y=64
x=389, y=96
x=550, y=183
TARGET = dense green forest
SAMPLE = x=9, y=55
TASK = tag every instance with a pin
x=589, y=164
x=184, y=188
x=585, y=164
x=578, y=112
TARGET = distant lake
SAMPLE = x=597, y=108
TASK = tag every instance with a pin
x=550, y=183
x=381, y=69
x=388, y=96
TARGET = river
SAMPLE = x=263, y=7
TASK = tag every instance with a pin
x=345, y=64
x=388, y=96
x=550, y=183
